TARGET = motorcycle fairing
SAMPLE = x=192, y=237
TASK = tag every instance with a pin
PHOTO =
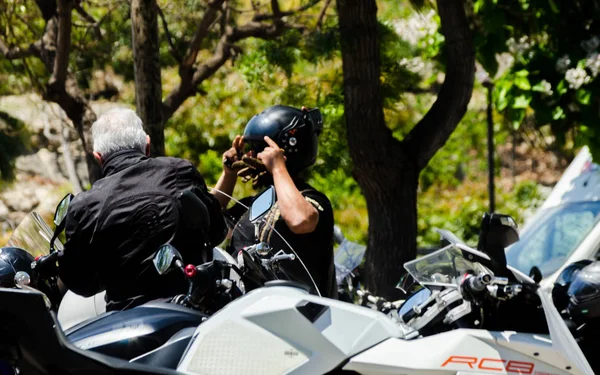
x=464, y=351
x=29, y=330
x=269, y=331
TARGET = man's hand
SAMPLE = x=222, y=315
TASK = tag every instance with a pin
x=232, y=155
x=272, y=156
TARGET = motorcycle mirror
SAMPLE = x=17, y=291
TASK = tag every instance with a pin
x=262, y=204
x=62, y=209
x=59, y=218
x=164, y=258
x=497, y=232
x=535, y=274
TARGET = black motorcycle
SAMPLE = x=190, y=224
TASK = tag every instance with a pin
x=157, y=332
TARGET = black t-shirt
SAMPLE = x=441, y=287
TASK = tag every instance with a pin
x=315, y=248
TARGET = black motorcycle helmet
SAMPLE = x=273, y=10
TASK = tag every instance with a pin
x=13, y=260
x=560, y=295
x=584, y=293
x=294, y=130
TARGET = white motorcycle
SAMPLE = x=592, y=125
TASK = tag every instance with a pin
x=461, y=320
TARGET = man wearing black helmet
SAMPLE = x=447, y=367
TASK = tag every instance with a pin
x=277, y=146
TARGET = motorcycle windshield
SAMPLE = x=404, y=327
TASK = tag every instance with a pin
x=33, y=235
x=349, y=255
x=446, y=267
x=280, y=260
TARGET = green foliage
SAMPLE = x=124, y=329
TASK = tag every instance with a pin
x=460, y=209
x=305, y=69
x=552, y=50
x=14, y=141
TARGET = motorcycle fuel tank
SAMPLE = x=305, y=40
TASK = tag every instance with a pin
x=130, y=333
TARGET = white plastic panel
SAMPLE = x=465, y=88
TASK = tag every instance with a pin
x=463, y=351
x=75, y=309
x=234, y=349
x=341, y=331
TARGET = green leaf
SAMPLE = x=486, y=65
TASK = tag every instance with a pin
x=558, y=113
x=503, y=95
x=553, y=6
x=478, y=5
x=562, y=87
x=522, y=101
x=522, y=73
x=583, y=96
x=517, y=117
x=522, y=83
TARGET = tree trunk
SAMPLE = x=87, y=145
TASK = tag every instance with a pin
x=62, y=87
x=148, y=90
x=384, y=174
x=387, y=170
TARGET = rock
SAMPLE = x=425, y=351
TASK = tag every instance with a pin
x=16, y=218
x=43, y=164
x=78, y=157
x=23, y=200
x=33, y=111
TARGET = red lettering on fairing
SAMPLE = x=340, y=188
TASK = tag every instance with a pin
x=520, y=367
x=470, y=361
x=483, y=366
x=492, y=364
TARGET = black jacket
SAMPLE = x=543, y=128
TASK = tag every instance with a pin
x=114, y=229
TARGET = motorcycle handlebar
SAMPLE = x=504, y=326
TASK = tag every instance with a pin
x=476, y=284
x=45, y=263
x=203, y=279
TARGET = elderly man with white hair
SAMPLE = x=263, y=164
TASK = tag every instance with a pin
x=113, y=229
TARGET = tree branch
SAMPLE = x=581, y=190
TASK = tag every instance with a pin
x=278, y=14
x=168, y=35
x=225, y=17
x=322, y=14
x=210, y=16
x=224, y=50
x=434, y=129
x=433, y=89
x=256, y=30
x=275, y=8
x=14, y=53
x=85, y=15
x=88, y=17
x=63, y=45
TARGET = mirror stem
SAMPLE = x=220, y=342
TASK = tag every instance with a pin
x=256, y=231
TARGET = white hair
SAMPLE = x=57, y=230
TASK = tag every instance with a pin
x=118, y=129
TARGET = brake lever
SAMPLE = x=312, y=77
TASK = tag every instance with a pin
x=278, y=257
